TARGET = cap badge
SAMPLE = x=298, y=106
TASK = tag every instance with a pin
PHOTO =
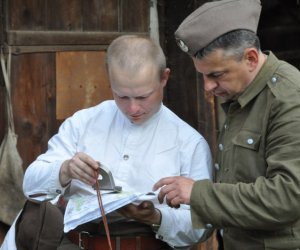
x=182, y=45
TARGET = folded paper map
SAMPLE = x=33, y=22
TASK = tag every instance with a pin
x=84, y=208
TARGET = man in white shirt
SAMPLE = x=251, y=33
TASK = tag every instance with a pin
x=138, y=138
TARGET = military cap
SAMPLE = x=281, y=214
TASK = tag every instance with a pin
x=214, y=19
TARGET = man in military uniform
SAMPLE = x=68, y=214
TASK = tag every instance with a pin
x=255, y=198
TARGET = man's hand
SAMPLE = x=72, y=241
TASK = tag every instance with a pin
x=144, y=212
x=81, y=167
x=176, y=190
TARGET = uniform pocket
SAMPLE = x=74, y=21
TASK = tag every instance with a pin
x=247, y=139
x=247, y=160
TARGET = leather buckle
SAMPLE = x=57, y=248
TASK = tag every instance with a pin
x=80, y=241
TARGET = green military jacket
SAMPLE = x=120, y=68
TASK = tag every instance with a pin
x=256, y=197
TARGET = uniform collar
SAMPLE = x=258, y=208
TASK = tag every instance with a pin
x=258, y=84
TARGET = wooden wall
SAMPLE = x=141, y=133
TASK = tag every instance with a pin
x=185, y=93
x=39, y=31
x=279, y=29
x=49, y=40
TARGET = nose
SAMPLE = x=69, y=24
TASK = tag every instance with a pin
x=133, y=106
x=209, y=84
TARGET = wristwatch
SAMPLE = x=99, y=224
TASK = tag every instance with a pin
x=155, y=227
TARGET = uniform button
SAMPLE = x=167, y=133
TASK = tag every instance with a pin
x=221, y=147
x=274, y=79
x=125, y=157
x=217, y=167
x=58, y=191
x=208, y=226
x=250, y=141
x=225, y=126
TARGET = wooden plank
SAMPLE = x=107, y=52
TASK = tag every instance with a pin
x=64, y=15
x=184, y=92
x=75, y=15
x=2, y=111
x=32, y=102
x=135, y=15
x=49, y=83
x=100, y=15
x=206, y=113
x=81, y=80
x=2, y=22
x=2, y=96
x=181, y=92
x=2, y=86
x=26, y=14
x=30, y=38
x=55, y=48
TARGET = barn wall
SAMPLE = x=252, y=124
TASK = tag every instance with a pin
x=40, y=32
x=46, y=36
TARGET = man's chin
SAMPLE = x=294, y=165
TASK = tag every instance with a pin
x=224, y=97
x=221, y=94
x=136, y=120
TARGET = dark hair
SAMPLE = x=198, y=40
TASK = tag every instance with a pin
x=233, y=43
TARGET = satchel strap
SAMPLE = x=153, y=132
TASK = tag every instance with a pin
x=6, y=69
x=103, y=212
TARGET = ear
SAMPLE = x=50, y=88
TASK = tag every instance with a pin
x=252, y=58
x=165, y=76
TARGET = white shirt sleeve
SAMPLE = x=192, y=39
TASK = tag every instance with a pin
x=176, y=225
x=41, y=179
x=9, y=240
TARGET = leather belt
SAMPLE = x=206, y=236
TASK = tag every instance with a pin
x=87, y=241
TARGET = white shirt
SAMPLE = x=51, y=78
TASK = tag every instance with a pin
x=137, y=155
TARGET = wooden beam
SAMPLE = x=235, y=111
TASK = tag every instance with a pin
x=32, y=38
x=16, y=50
